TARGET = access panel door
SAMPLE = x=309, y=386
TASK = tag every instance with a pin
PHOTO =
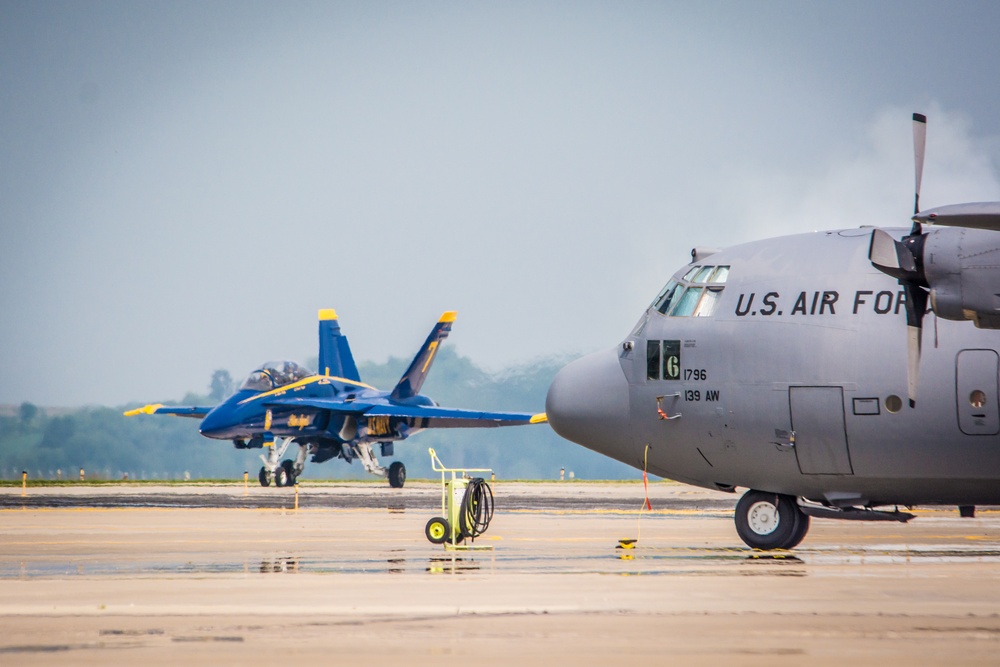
x=976, y=386
x=817, y=416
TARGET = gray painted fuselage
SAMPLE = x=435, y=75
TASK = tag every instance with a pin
x=797, y=384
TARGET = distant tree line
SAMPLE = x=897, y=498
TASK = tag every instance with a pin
x=107, y=445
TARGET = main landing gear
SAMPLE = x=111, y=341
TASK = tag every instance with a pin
x=396, y=472
x=770, y=520
x=778, y=521
x=284, y=473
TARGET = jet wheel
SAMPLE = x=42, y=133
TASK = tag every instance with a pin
x=437, y=530
x=770, y=521
x=397, y=475
x=289, y=469
x=280, y=476
x=263, y=477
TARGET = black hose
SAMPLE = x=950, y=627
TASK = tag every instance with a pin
x=477, y=508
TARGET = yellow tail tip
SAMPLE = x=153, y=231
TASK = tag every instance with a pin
x=327, y=314
x=540, y=418
x=144, y=410
x=449, y=316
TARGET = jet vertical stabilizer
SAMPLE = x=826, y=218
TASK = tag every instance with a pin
x=335, y=358
x=409, y=385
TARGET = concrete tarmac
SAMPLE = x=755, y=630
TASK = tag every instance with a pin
x=219, y=575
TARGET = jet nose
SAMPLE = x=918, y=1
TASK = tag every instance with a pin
x=215, y=423
x=588, y=403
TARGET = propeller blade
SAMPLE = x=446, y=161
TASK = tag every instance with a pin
x=919, y=142
x=916, y=306
x=913, y=335
x=904, y=260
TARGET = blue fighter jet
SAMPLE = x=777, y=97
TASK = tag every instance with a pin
x=332, y=414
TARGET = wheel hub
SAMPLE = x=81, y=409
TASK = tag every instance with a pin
x=763, y=518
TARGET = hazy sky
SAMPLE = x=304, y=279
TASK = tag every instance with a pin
x=184, y=184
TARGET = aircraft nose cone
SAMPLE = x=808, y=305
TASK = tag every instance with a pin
x=588, y=403
x=213, y=424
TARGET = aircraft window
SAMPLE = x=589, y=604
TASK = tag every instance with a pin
x=275, y=374
x=702, y=275
x=666, y=288
x=686, y=304
x=690, y=274
x=893, y=403
x=720, y=275
x=666, y=298
x=977, y=399
x=708, y=302
x=652, y=360
x=259, y=380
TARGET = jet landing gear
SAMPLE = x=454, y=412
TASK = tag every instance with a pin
x=770, y=520
x=397, y=475
x=396, y=472
x=282, y=473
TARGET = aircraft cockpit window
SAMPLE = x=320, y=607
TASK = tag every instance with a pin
x=720, y=275
x=702, y=275
x=708, y=302
x=697, y=293
x=275, y=374
x=666, y=298
x=688, y=301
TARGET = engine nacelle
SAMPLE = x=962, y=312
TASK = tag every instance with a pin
x=961, y=267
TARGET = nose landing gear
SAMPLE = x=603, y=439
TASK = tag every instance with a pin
x=282, y=473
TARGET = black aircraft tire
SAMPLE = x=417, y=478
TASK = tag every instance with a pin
x=280, y=476
x=290, y=471
x=801, y=528
x=770, y=521
x=397, y=475
x=437, y=530
x=263, y=477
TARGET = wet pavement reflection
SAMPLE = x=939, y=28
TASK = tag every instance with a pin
x=644, y=561
x=364, y=530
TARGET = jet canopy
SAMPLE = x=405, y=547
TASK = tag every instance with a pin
x=274, y=374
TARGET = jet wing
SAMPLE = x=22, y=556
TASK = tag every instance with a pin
x=423, y=416
x=438, y=417
x=195, y=411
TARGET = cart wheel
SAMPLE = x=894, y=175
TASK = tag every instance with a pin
x=437, y=530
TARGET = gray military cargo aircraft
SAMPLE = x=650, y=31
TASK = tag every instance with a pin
x=809, y=369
